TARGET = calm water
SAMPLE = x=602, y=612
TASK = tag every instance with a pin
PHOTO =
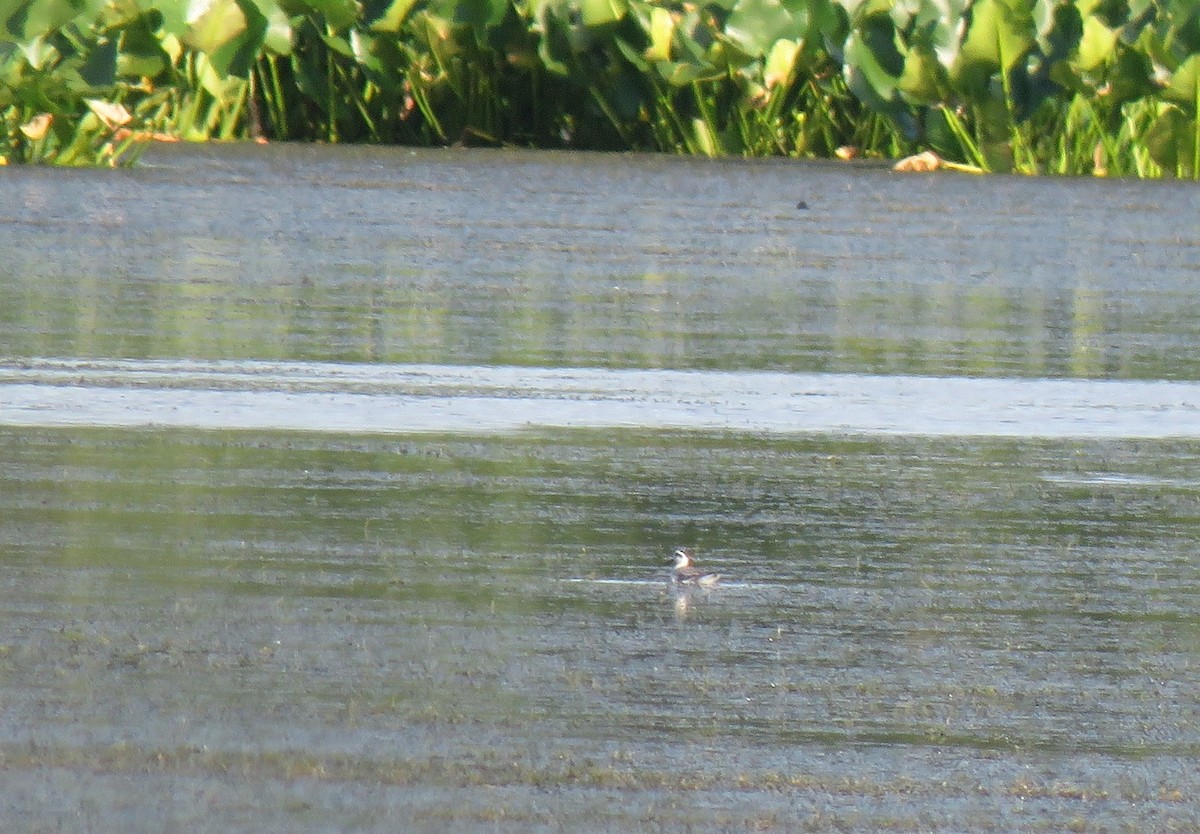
x=339, y=486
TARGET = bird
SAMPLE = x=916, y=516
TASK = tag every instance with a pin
x=685, y=573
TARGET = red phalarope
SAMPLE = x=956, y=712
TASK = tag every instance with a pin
x=685, y=573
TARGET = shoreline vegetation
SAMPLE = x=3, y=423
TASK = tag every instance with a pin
x=1099, y=87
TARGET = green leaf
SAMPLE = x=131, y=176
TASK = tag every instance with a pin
x=829, y=27
x=636, y=59
x=680, y=73
x=780, y=63
x=1171, y=140
x=934, y=26
x=1183, y=17
x=8, y=8
x=1131, y=76
x=1184, y=86
x=99, y=67
x=554, y=47
x=867, y=77
x=923, y=77
x=661, y=33
x=728, y=57
x=1060, y=37
x=1097, y=46
x=214, y=23
x=338, y=45
x=174, y=16
x=707, y=142
x=602, y=12
x=1000, y=34
x=872, y=70
x=756, y=25
x=278, y=35
x=39, y=18
x=141, y=54
x=117, y=14
x=380, y=55
x=339, y=14
x=232, y=36
x=394, y=17
x=481, y=15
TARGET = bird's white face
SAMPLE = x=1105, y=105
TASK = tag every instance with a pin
x=682, y=559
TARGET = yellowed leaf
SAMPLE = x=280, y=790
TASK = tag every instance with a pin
x=926, y=161
x=662, y=29
x=780, y=62
x=36, y=128
x=113, y=115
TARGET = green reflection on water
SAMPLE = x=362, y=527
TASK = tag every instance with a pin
x=244, y=593
x=587, y=503
x=647, y=320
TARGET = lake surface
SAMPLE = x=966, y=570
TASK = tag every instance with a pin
x=339, y=487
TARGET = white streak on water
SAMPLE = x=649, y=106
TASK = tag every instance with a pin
x=394, y=399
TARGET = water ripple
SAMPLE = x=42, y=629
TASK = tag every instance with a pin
x=393, y=399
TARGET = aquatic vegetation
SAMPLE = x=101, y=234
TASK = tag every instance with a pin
x=54, y=108
x=1000, y=85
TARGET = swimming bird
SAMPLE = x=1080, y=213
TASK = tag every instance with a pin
x=685, y=573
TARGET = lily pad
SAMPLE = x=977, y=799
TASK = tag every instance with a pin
x=757, y=25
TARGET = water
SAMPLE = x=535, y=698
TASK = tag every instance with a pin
x=339, y=489
x=562, y=260
x=385, y=399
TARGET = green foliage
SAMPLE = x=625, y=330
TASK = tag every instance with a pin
x=1068, y=86
x=1038, y=86
x=52, y=65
